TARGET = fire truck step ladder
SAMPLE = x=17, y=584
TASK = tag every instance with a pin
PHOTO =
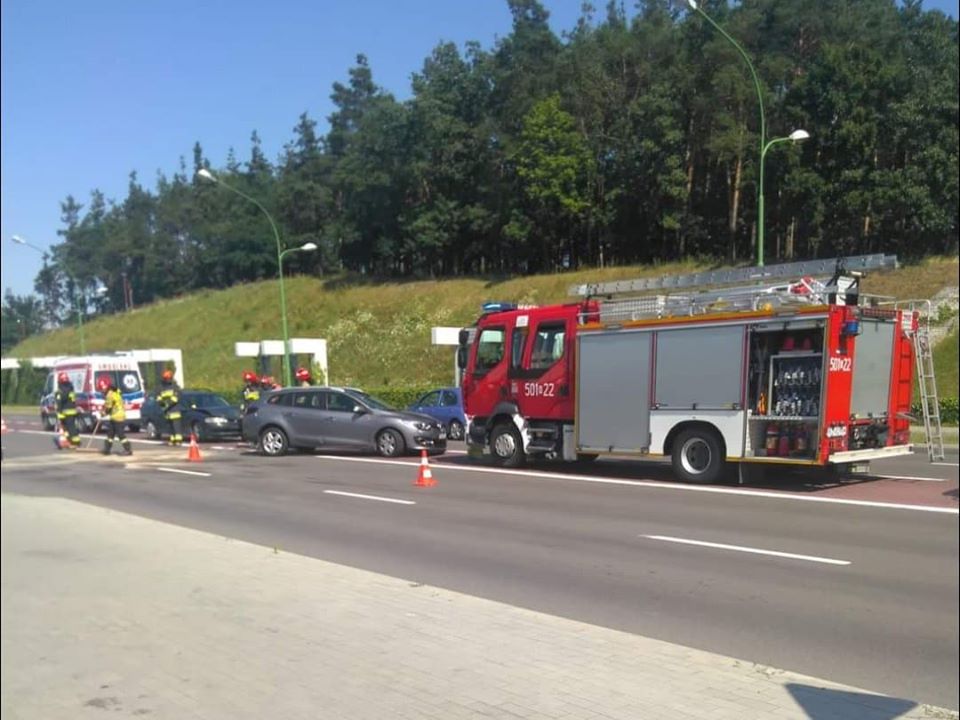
x=926, y=379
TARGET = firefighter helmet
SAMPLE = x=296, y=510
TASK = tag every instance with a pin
x=63, y=378
x=267, y=382
x=303, y=374
x=250, y=377
x=167, y=376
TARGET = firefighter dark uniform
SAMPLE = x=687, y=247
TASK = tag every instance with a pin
x=66, y=400
x=251, y=390
x=113, y=409
x=169, y=401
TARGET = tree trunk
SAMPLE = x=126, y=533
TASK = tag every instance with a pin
x=735, y=202
x=791, y=233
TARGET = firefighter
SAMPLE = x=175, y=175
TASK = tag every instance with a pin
x=267, y=384
x=113, y=410
x=251, y=389
x=169, y=400
x=303, y=377
x=66, y=400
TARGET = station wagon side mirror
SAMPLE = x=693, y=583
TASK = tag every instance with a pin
x=359, y=410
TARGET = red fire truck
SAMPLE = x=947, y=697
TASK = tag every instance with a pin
x=795, y=373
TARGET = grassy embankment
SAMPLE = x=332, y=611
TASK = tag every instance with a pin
x=379, y=334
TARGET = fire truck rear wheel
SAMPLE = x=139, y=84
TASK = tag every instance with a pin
x=697, y=456
x=506, y=445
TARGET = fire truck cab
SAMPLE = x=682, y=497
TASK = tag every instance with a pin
x=798, y=373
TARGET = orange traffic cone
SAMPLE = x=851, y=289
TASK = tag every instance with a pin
x=194, y=454
x=425, y=476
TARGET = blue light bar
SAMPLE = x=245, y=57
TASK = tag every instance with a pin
x=491, y=307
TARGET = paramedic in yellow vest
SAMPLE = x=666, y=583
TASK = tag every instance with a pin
x=169, y=400
x=116, y=416
x=67, y=409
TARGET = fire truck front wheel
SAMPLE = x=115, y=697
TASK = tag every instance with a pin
x=506, y=445
x=697, y=456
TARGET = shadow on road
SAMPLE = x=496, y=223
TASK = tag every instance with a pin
x=822, y=704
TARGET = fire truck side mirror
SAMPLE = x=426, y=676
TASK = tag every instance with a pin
x=464, y=337
x=462, y=357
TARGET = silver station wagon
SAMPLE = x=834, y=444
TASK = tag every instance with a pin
x=308, y=418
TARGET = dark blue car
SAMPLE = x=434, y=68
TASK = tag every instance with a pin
x=446, y=406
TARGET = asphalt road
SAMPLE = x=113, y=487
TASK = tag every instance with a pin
x=855, y=582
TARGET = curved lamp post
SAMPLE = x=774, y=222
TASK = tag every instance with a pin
x=795, y=136
x=307, y=247
x=83, y=344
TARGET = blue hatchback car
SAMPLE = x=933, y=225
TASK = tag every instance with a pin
x=446, y=406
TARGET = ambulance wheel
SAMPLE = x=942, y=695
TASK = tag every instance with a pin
x=697, y=456
x=506, y=445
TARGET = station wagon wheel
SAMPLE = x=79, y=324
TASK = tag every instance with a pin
x=456, y=430
x=273, y=442
x=390, y=443
x=697, y=456
x=507, y=445
x=195, y=428
x=152, y=431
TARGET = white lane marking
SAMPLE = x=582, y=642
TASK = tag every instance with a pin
x=183, y=472
x=755, y=551
x=87, y=437
x=654, y=484
x=370, y=497
x=909, y=477
x=946, y=464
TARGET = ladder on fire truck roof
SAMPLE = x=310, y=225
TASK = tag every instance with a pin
x=837, y=284
x=926, y=380
x=794, y=270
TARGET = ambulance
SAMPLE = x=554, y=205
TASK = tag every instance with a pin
x=86, y=374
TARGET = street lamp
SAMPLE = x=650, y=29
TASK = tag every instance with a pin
x=307, y=247
x=83, y=345
x=697, y=7
x=795, y=137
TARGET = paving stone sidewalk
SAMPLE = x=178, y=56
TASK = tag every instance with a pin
x=110, y=615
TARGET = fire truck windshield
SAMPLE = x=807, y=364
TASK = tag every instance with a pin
x=489, y=348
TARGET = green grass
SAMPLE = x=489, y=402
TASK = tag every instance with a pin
x=378, y=334
x=18, y=409
x=945, y=366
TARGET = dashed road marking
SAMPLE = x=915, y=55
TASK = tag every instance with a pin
x=743, y=549
x=370, y=497
x=182, y=472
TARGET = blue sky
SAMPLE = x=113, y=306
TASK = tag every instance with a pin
x=93, y=90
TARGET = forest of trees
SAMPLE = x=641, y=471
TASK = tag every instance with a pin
x=631, y=137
